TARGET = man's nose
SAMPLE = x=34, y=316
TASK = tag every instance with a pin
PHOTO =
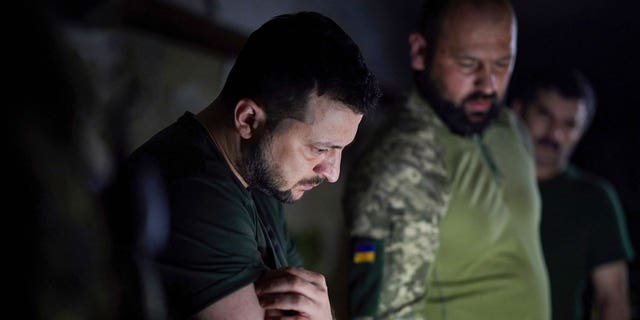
x=329, y=168
x=486, y=80
x=556, y=131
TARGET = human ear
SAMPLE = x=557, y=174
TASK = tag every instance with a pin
x=417, y=49
x=248, y=118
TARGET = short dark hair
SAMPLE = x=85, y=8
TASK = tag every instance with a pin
x=568, y=83
x=293, y=55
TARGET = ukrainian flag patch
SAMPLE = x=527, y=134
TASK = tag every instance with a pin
x=364, y=253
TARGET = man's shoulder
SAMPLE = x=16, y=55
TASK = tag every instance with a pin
x=183, y=152
x=200, y=186
x=508, y=128
x=399, y=153
x=592, y=193
x=403, y=174
x=587, y=181
x=407, y=139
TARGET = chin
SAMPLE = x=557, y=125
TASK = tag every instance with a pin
x=546, y=162
x=295, y=196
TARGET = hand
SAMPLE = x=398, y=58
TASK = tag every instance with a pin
x=294, y=293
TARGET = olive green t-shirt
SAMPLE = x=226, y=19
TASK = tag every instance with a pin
x=489, y=264
x=222, y=236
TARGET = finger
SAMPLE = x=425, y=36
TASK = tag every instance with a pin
x=269, y=277
x=290, y=284
x=310, y=276
x=273, y=313
x=287, y=301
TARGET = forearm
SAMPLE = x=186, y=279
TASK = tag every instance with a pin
x=611, y=291
x=615, y=309
x=241, y=304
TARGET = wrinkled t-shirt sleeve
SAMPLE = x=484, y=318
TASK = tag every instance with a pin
x=610, y=240
x=212, y=248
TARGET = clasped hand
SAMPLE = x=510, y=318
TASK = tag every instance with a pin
x=293, y=293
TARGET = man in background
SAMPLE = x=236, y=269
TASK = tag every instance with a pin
x=583, y=231
x=444, y=211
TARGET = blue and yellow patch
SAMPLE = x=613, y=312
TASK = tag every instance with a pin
x=364, y=253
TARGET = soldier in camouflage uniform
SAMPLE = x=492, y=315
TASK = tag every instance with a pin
x=450, y=186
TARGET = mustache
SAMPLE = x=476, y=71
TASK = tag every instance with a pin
x=313, y=181
x=548, y=143
x=480, y=96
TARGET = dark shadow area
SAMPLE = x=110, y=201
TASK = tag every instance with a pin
x=84, y=239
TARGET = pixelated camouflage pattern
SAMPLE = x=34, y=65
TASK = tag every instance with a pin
x=397, y=193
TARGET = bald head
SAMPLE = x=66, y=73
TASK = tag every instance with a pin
x=437, y=12
x=471, y=22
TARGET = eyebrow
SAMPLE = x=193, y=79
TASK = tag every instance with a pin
x=472, y=57
x=328, y=145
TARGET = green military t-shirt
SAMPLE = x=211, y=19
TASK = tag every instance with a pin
x=489, y=264
x=582, y=227
x=222, y=236
x=444, y=226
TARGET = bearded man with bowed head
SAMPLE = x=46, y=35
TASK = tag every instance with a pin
x=291, y=103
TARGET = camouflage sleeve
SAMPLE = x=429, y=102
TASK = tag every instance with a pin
x=395, y=198
x=365, y=277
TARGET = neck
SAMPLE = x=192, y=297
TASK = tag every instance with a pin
x=224, y=138
x=547, y=172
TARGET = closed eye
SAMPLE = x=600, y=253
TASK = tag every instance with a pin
x=320, y=150
x=503, y=64
x=467, y=63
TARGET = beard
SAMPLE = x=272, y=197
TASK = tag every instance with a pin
x=454, y=115
x=262, y=173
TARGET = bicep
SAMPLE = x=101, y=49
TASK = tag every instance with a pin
x=212, y=250
x=241, y=304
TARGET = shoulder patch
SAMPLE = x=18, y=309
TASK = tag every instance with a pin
x=364, y=253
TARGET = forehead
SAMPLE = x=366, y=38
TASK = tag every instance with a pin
x=326, y=121
x=560, y=106
x=468, y=27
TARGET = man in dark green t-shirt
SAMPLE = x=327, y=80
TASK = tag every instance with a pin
x=292, y=101
x=582, y=229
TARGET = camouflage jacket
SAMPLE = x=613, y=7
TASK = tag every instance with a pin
x=396, y=195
